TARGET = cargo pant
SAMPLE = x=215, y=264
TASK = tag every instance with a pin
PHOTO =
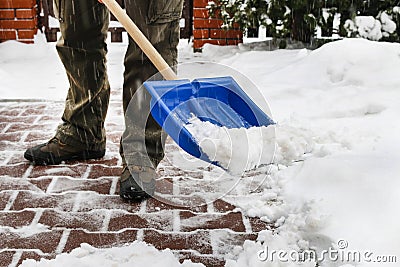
x=82, y=49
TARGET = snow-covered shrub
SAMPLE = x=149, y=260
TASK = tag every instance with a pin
x=364, y=26
x=390, y=20
x=381, y=28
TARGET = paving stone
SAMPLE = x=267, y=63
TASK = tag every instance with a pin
x=48, y=119
x=3, y=157
x=6, y=145
x=113, y=127
x=63, y=184
x=193, y=204
x=4, y=106
x=169, y=171
x=14, y=170
x=88, y=163
x=40, y=137
x=98, y=239
x=91, y=221
x=27, y=199
x=17, y=158
x=165, y=186
x=16, y=218
x=4, y=198
x=3, y=125
x=207, y=260
x=36, y=110
x=15, y=119
x=257, y=225
x=162, y=220
x=110, y=159
x=10, y=137
x=191, y=221
x=6, y=257
x=15, y=241
x=112, y=147
x=9, y=183
x=222, y=206
x=199, y=241
x=224, y=241
x=28, y=127
x=114, y=137
x=10, y=112
x=35, y=256
x=41, y=183
x=98, y=171
x=76, y=171
x=197, y=186
x=116, y=106
x=91, y=201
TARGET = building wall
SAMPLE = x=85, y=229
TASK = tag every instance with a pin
x=18, y=20
x=208, y=30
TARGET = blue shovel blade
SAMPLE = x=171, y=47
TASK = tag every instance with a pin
x=220, y=101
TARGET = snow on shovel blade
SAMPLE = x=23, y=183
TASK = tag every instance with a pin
x=220, y=101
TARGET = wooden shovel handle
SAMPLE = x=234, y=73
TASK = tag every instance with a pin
x=141, y=40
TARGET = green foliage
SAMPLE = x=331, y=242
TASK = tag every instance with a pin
x=278, y=21
x=246, y=13
x=298, y=19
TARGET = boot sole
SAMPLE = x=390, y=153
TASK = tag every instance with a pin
x=51, y=160
x=137, y=196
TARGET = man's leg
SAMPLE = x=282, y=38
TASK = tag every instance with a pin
x=142, y=142
x=82, y=50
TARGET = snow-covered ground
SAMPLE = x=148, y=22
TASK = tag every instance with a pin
x=335, y=178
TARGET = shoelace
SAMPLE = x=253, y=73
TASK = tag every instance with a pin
x=55, y=140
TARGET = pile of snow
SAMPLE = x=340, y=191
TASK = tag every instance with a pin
x=237, y=149
x=34, y=72
x=31, y=71
x=135, y=254
x=335, y=168
x=333, y=65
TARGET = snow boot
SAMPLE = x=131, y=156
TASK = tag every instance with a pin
x=54, y=152
x=137, y=183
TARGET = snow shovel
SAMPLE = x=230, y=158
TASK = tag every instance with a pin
x=176, y=101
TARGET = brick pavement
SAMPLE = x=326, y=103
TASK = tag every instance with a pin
x=78, y=202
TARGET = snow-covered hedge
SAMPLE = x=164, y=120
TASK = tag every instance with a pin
x=383, y=27
x=299, y=19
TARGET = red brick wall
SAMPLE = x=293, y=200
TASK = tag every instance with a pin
x=18, y=20
x=208, y=30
